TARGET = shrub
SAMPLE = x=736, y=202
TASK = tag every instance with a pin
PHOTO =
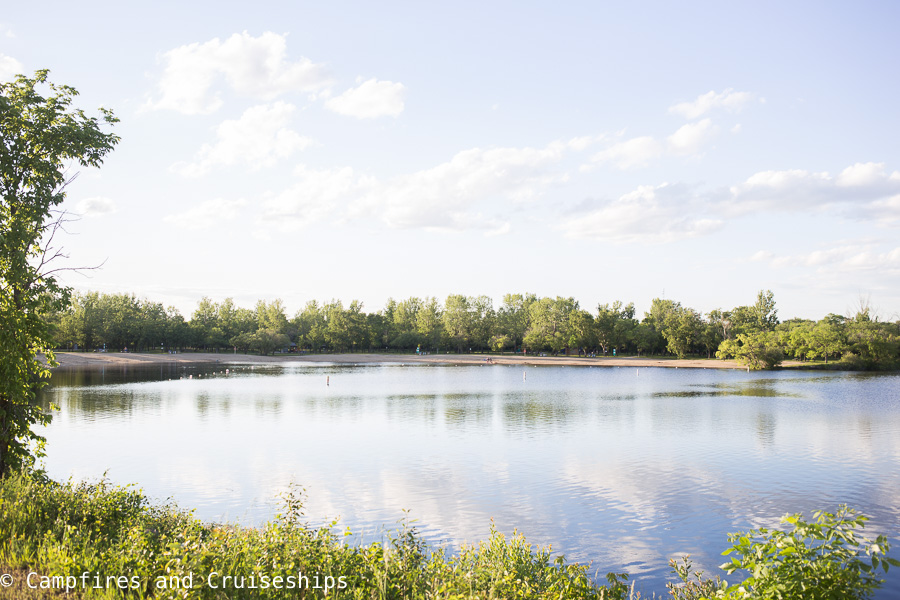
x=821, y=560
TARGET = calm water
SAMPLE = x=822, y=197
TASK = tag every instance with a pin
x=621, y=467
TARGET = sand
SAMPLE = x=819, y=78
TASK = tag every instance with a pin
x=106, y=359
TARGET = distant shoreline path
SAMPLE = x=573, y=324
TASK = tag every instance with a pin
x=90, y=360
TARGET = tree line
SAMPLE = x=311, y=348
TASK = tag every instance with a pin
x=522, y=323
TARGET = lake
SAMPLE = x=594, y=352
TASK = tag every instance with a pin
x=621, y=467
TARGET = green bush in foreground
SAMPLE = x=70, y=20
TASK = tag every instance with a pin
x=130, y=548
x=103, y=541
x=822, y=560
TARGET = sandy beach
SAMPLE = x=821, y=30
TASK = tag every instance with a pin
x=104, y=359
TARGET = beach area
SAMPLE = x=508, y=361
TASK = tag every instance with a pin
x=89, y=360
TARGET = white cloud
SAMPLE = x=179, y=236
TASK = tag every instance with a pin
x=864, y=191
x=96, y=206
x=846, y=256
x=762, y=255
x=9, y=67
x=792, y=188
x=867, y=175
x=729, y=100
x=371, y=99
x=314, y=195
x=252, y=66
x=466, y=192
x=641, y=151
x=886, y=210
x=259, y=138
x=469, y=192
x=690, y=138
x=207, y=214
x=636, y=152
x=866, y=185
x=656, y=214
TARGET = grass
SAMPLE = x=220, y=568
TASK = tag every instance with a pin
x=104, y=541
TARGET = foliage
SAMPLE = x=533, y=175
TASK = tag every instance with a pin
x=40, y=135
x=551, y=325
x=760, y=350
x=73, y=528
x=819, y=560
x=523, y=322
x=693, y=585
x=614, y=325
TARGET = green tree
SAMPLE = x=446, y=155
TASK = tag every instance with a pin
x=270, y=315
x=484, y=319
x=550, y=325
x=759, y=350
x=712, y=332
x=428, y=323
x=825, y=339
x=205, y=325
x=40, y=136
x=765, y=315
x=683, y=328
x=614, y=325
x=721, y=320
x=310, y=325
x=357, y=327
x=874, y=345
x=457, y=320
x=337, y=326
x=513, y=317
x=644, y=338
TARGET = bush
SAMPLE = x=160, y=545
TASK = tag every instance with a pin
x=70, y=529
x=822, y=560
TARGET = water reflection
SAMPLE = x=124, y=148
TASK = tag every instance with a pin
x=621, y=468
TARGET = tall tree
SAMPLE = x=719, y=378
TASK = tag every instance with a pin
x=457, y=320
x=513, y=317
x=614, y=324
x=550, y=325
x=38, y=136
x=428, y=323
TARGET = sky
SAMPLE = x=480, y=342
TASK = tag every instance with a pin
x=697, y=151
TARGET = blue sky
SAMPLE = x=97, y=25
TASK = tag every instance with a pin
x=296, y=150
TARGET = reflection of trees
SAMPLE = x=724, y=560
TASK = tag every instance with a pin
x=762, y=388
x=413, y=407
x=93, y=402
x=462, y=411
x=530, y=413
x=74, y=377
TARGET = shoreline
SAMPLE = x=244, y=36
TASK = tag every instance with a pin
x=97, y=360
